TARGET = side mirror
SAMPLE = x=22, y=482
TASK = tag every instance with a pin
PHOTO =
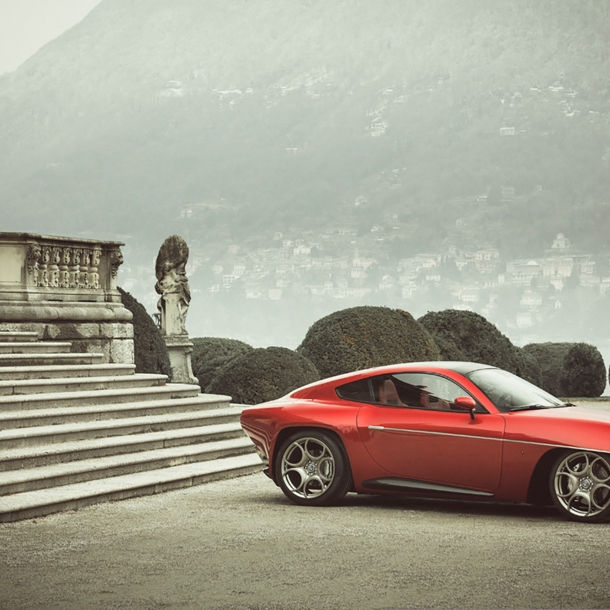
x=466, y=403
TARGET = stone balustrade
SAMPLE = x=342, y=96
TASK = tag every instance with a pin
x=37, y=267
x=65, y=289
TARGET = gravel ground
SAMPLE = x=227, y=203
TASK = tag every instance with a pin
x=240, y=544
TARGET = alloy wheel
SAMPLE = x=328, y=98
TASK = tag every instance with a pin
x=581, y=485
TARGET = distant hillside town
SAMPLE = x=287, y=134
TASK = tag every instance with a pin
x=346, y=266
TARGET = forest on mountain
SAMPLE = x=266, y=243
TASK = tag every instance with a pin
x=289, y=111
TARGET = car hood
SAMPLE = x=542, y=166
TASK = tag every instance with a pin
x=584, y=427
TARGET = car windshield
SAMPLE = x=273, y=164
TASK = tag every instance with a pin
x=511, y=393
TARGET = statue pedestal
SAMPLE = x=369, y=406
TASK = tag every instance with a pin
x=179, y=349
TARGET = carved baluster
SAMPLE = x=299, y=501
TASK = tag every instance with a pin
x=94, y=278
x=83, y=281
x=64, y=267
x=43, y=266
x=54, y=268
x=33, y=256
x=74, y=267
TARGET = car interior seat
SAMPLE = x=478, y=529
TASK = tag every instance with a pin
x=388, y=394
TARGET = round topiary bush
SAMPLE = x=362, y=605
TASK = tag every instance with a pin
x=448, y=350
x=263, y=374
x=550, y=358
x=150, y=351
x=583, y=372
x=362, y=337
x=210, y=354
x=470, y=334
x=528, y=367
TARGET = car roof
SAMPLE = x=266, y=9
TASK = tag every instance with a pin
x=462, y=368
x=452, y=365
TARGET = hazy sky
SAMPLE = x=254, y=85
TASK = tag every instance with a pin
x=27, y=25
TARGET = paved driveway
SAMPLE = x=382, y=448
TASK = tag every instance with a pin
x=239, y=544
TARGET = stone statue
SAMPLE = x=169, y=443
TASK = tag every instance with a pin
x=172, y=284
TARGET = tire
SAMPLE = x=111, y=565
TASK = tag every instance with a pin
x=580, y=486
x=312, y=468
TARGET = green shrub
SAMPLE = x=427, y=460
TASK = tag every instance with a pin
x=150, y=351
x=550, y=358
x=448, y=349
x=362, y=337
x=583, y=372
x=210, y=354
x=263, y=374
x=570, y=369
x=528, y=367
x=470, y=334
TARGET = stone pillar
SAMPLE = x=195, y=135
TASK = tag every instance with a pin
x=175, y=296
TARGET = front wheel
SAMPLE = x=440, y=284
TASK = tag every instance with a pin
x=312, y=468
x=580, y=486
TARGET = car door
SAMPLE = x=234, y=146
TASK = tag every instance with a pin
x=413, y=430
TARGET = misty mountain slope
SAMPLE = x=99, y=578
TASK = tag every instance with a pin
x=259, y=42
x=293, y=108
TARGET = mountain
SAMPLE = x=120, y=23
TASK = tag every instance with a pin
x=404, y=126
x=292, y=109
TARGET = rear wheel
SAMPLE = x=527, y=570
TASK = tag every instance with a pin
x=312, y=468
x=580, y=486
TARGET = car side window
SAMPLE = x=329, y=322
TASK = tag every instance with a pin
x=359, y=391
x=418, y=390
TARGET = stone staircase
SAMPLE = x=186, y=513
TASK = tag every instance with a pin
x=75, y=431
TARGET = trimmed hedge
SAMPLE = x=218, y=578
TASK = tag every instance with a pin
x=550, y=359
x=570, y=369
x=362, y=337
x=263, y=374
x=468, y=336
x=210, y=354
x=471, y=335
x=583, y=372
x=448, y=350
x=529, y=368
x=150, y=351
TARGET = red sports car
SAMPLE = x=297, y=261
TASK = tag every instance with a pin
x=445, y=429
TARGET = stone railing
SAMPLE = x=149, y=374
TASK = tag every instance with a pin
x=65, y=289
x=37, y=267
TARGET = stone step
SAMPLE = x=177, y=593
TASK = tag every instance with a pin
x=35, y=347
x=67, y=370
x=19, y=336
x=86, y=384
x=29, y=479
x=96, y=397
x=45, y=455
x=61, y=433
x=75, y=431
x=67, y=497
x=65, y=415
x=49, y=359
